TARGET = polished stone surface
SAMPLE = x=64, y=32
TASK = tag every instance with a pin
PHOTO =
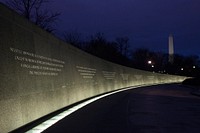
x=40, y=74
x=156, y=109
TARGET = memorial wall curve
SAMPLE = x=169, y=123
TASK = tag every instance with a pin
x=40, y=74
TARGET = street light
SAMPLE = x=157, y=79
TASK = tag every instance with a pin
x=149, y=62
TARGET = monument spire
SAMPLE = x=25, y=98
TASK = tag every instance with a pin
x=171, y=49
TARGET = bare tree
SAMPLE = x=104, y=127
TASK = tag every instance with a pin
x=34, y=11
x=123, y=45
x=73, y=38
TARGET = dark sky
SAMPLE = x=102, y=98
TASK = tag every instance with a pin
x=147, y=23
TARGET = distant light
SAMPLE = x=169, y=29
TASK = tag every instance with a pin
x=194, y=67
x=181, y=69
x=152, y=66
x=149, y=62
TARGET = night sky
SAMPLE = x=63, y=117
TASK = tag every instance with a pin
x=147, y=23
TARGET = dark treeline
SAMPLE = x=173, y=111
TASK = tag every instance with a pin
x=36, y=12
x=118, y=51
x=159, y=62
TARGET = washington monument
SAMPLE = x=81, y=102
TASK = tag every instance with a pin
x=171, y=49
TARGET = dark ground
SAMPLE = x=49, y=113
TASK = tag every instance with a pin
x=156, y=109
x=192, y=82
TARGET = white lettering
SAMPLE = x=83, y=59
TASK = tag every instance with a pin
x=48, y=66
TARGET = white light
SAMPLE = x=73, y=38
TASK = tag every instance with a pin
x=152, y=66
x=194, y=67
x=181, y=69
x=149, y=62
x=43, y=126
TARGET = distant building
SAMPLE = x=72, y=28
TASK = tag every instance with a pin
x=171, y=49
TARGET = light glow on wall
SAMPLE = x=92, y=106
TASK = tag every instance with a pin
x=43, y=126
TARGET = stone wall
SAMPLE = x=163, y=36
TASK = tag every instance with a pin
x=40, y=74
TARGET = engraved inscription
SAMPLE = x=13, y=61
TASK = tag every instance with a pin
x=37, y=64
x=125, y=76
x=86, y=72
x=109, y=75
x=150, y=77
x=138, y=77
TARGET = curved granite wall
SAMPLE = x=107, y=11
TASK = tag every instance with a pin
x=41, y=74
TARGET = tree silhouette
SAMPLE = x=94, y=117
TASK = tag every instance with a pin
x=140, y=58
x=34, y=11
x=123, y=45
x=99, y=46
x=73, y=38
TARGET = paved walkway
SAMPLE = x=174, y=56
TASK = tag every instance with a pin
x=156, y=109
